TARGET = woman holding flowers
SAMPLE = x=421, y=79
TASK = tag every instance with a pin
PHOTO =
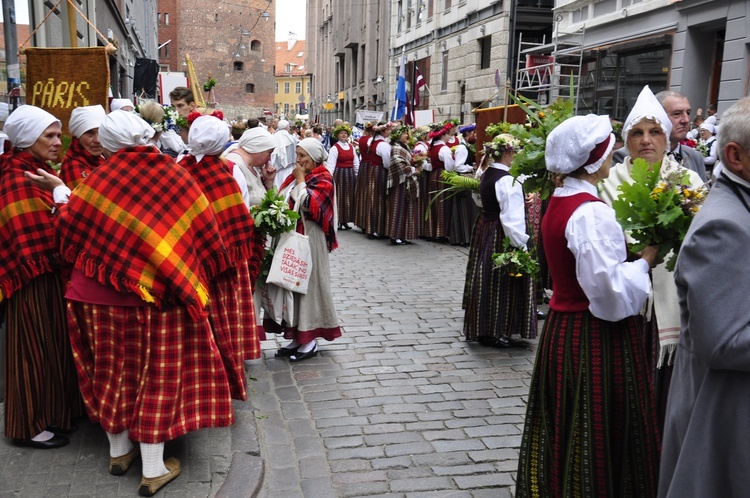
x=590, y=425
x=311, y=186
x=497, y=303
x=707, y=145
x=646, y=132
x=441, y=159
x=403, y=191
x=251, y=158
x=343, y=164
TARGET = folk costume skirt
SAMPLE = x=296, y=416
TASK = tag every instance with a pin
x=463, y=215
x=376, y=197
x=438, y=218
x=403, y=211
x=346, y=182
x=590, y=422
x=496, y=303
x=41, y=387
x=361, y=200
x=156, y=373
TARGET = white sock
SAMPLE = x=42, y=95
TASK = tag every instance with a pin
x=119, y=444
x=43, y=436
x=152, y=456
x=307, y=347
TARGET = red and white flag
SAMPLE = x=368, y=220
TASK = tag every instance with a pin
x=414, y=101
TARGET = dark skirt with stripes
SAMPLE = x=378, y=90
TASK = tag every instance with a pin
x=155, y=372
x=464, y=213
x=424, y=180
x=590, y=423
x=535, y=214
x=403, y=211
x=436, y=224
x=496, y=303
x=346, y=182
x=361, y=201
x=41, y=387
x=377, y=189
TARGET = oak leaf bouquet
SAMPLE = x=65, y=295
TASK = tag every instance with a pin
x=272, y=217
x=515, y=261
x=657, y=209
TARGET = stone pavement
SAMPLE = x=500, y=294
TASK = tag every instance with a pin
x=399, y=406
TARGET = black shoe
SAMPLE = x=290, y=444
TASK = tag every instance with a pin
x=541, y=315
x=286, y=352
x=58, y=430
x=305, y=356
x=57, y=441
x=398, y=242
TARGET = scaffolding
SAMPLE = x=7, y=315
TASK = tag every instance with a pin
x=549, y=69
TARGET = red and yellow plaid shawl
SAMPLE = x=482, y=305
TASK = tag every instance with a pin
x=27, y=231
x=320, y=206
x=236, y=225
x=140, y=223
x=77, y=164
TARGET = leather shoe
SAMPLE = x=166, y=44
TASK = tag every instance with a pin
x=398, y=242
x=56, y=441
x=541, y=315
x=150, y=485
x=286, y=352
x=58, y=430
x=119, y=465
x=305, y=356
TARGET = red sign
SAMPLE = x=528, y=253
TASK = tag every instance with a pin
x=534, y=63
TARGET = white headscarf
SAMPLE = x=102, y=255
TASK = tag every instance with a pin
x=26, y=124
x=579, y=141
x=256, y=140
x=122, y=129
x=314, y=149
x=208, y=136
x=4, y=111
x=118, y=104
x=83, y=119
x=647, y=107
x=708, y=127
x=283, y=125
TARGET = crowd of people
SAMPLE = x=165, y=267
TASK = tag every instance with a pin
x=130, y=282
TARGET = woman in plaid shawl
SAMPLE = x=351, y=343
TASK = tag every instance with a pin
x=311, y=185
x=85, y=151
x=40, y=380
x=403, y=191
x=232, y=312
x=144, y=245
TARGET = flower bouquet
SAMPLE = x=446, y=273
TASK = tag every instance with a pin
x=657, y=209
x=418, y=158
x=272, y=217
x=703, y=147
x=515, y=261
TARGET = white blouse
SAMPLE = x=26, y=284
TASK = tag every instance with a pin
x=333, y=157
x=615, y=288
x=509, y=194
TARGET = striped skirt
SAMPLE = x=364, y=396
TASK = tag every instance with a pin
x=424, y=180
x=463, y=216
x=590, y=423
x=41, y=388
x=156, y=373
x=535, y=214
x=496, y=303
x=403, y=212
x=345, y=181
x=361, y=202
x=438, y=218
x=377, y=192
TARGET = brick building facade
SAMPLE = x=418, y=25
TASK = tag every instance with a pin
x=228, y=41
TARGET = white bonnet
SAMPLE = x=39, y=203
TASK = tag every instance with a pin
x=83, y=119
x=26, y=124
x=708, y=127
x=579, y=141
x=122, y=129
x=208, y=136
x=314, y=149
x=647, y=106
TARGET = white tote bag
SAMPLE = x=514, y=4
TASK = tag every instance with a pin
x=292, y=261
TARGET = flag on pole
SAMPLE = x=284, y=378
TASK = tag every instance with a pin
x=400, y=107
x=414, y=102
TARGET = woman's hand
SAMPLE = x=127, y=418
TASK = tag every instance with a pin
x=268, y=173
x=44, y=180
x=530, y=198
x=649, y=254
x=298, y=173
